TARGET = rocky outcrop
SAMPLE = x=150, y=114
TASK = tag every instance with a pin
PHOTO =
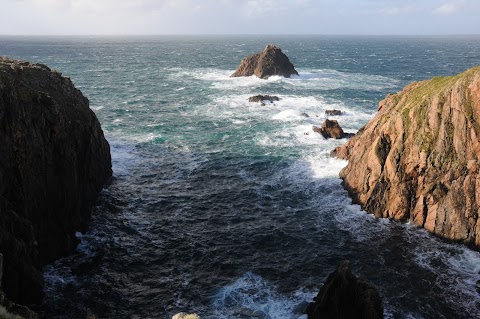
x=54, y=161
x=331, y=129
x=345, y=296
x=263, y=98
x=272, y=61
x=418, y=158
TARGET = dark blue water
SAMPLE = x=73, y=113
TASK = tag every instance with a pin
x=233, y=210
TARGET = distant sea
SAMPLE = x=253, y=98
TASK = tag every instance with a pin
x=230, y=209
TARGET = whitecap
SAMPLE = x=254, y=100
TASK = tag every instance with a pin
x=252, y=296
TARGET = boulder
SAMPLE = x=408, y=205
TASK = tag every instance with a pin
x=345, y=296
x=54, y=162
x=331, y=129
x=418, y=159
x=272, y=61
x=333, y=112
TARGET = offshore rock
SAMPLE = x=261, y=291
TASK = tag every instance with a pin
x=263, y=98
x=54, y=162
x=418, y=158
x=272, y=61
x=345, y=296
x=331, y=129
x=333, y=112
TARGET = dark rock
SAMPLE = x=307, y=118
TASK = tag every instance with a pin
x=263, y=98
x=305, y=114
x=333, y=112
x=345, y=296
x=330, y=129
x=54, y=161
x=272, y=61
x=1, y=269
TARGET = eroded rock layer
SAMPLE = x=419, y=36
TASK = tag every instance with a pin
x=418, y=158
x=54, y=161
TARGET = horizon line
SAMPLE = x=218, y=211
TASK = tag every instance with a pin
x=238, y=34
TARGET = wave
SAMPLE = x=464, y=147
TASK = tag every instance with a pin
x=251, y=296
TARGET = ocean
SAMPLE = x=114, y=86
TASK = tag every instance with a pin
x=230, y=209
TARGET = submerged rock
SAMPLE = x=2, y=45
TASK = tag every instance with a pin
x=272, y=61
x=418, y=158
x=345, y=296
x=54, y=161
x=333, y=112
x=331, y=129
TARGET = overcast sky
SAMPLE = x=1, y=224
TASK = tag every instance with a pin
x=90, y=17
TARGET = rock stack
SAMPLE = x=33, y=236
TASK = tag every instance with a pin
x=272, y=61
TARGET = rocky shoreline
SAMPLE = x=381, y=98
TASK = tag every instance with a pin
x=417, y=160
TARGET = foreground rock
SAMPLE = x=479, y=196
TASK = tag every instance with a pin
x=54, y=161
x=418, y=158
x=263, y=98
x=344, y=296
x=272, y=61
x=331, y=129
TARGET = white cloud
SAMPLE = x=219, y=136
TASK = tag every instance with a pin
x=449, y=8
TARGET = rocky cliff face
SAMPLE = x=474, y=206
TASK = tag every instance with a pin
x=272, y=61
x=54, y=161
x=418, y=158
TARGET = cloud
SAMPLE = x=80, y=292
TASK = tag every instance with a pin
x=449, y=8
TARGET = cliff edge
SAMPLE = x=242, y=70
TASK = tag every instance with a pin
x=418, y=158
x=54, y=161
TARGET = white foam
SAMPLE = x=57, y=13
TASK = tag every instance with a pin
x=122, y=157
x=251, y=296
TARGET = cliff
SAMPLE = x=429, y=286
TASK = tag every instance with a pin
x=418, y=158
x=54, y=161
x=272, y=61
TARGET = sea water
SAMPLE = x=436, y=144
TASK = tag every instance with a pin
x=230, y=209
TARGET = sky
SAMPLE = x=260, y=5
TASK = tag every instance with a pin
x=325, y=17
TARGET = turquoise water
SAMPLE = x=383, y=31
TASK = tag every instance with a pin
x=235, y=210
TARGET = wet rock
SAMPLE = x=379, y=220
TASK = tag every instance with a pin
x=417, y=159
x=272, y=61
x=263, y=98
x=330, y=129
x=333, y=112
x=345, y=296
x=54, y=161
x=305, y=114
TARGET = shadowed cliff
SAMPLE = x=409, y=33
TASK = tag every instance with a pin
x=54, y=161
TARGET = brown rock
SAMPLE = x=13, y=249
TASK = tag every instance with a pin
x=417, y=158
x=54, y=161
x=345, y=296
x=272, y=61
x=330, y=129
